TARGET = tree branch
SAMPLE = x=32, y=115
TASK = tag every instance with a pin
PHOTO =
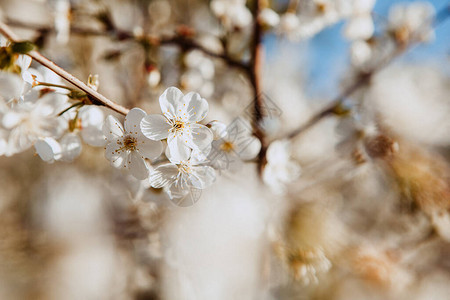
x=255, y=73
x=93, y=95
x=333, y=107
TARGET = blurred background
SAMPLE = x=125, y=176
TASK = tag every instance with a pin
x=365, y=214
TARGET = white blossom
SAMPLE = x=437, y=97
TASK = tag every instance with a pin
x=127, y=147
x=179, y=123
x=411, y=20
x=179, y=177
x=269, y=17
x=31, y=119
x=280, y=169
x=232, y=13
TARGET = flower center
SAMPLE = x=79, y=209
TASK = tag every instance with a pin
x=184, y=168
x=177, y=125
x=227, y=146
x=130, y=143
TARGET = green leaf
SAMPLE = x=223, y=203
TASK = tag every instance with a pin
x=22, y=47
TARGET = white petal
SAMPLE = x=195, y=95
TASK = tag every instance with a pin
x=137, y=166
x=24, y=62
x=112, y=129
x=202, y=177
x=250, y=150
x=171, y=101
x=183, y=196
x=10, y=86
x=118, y=159
x=93, y=135
x=218, y=129
x=149, y=149
x=110, y=151
x=177, y=149
x=359, y=28
x=163, y=175
x=198, y=136
x=71, y=146
x=48, y=149
x=197, y=107
x=155, y=127
x=91, y=115
x=133, y=120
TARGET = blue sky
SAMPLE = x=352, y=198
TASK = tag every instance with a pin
x=326, y=55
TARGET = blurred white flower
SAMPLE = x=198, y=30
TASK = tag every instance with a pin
x=232, y=13
x=289, y=24
x=128, y=148
x=179, y=123
x=48, y=149
x=269, y=17
x=30, y=120
x=360, y=25
x=280, y=169
x=411, y=21
x=199, y=74
x=360, y=53
x=153, y=77
x=62, y=21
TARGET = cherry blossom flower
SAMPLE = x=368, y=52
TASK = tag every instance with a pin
x=233, y=144
x=360, y=25
x=30, y=120
x=127, y=147
x=269, y=17
x=179, y=123
x=179, y=177
x=411, y=20
x=280, y=169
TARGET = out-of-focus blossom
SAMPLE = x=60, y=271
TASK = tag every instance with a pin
x=128, y=147
x=62, y=21
x=360, y=25
x=281, y=169
x=199, y=74
x=30, y=120
x=179, y=123
x=268, y=17
x=48, y=149
x=232, y=13
x=409, y=21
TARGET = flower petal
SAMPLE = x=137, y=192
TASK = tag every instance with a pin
x=112, y=129
x=71, y=146
x=202, y=177
x=133, y=120
x=137, y=166
x=198, y=136
x=170, y=102
x=163, y=175
x=48, y=149
x=155, y=127
x=177, y=149
x=149, y=149
x=92, y=135
x=248, y=150
x=197, y=107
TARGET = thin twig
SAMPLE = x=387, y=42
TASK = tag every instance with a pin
x=255, y=73
x=93, y=95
